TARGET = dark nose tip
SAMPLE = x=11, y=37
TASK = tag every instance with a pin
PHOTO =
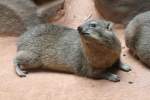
x=80, y=29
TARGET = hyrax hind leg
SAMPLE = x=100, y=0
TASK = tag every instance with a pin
x=26, y=60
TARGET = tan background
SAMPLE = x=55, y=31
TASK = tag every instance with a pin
x=57, y=86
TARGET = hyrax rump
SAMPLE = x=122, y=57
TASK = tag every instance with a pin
x=89, y=52
x=137, y=36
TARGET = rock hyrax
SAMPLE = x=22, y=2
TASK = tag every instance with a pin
x=137, y=36
x=88, y=51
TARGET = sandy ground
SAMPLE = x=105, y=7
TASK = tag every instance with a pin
x=58, y=86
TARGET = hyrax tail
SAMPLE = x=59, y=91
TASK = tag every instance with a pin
x=26, y=60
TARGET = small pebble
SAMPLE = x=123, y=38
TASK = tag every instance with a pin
x=130, y=82
x=123, y=47
x=124, y=54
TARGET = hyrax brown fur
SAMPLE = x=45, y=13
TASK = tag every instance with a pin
x=137, y=36
x=89, y=52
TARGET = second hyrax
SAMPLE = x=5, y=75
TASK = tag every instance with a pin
x=88, y=51
x=137, y=35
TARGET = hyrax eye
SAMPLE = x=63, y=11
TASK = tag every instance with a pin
x=92, y=25
x=85, y=33
x=109, y=26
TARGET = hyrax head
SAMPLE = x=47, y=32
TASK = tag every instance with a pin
x=96, y=30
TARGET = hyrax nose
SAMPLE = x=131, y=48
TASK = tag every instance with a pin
x=80, y=29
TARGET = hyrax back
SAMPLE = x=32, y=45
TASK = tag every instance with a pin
x=87, y=52
x=50, y=46
x=137, y=35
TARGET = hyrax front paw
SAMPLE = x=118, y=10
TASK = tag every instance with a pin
x=125, y=67
x=111, y=77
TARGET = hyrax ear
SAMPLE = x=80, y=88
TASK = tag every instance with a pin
x=110, y=26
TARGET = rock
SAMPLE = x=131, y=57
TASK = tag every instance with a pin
x=121, y=11
x=16, y=16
